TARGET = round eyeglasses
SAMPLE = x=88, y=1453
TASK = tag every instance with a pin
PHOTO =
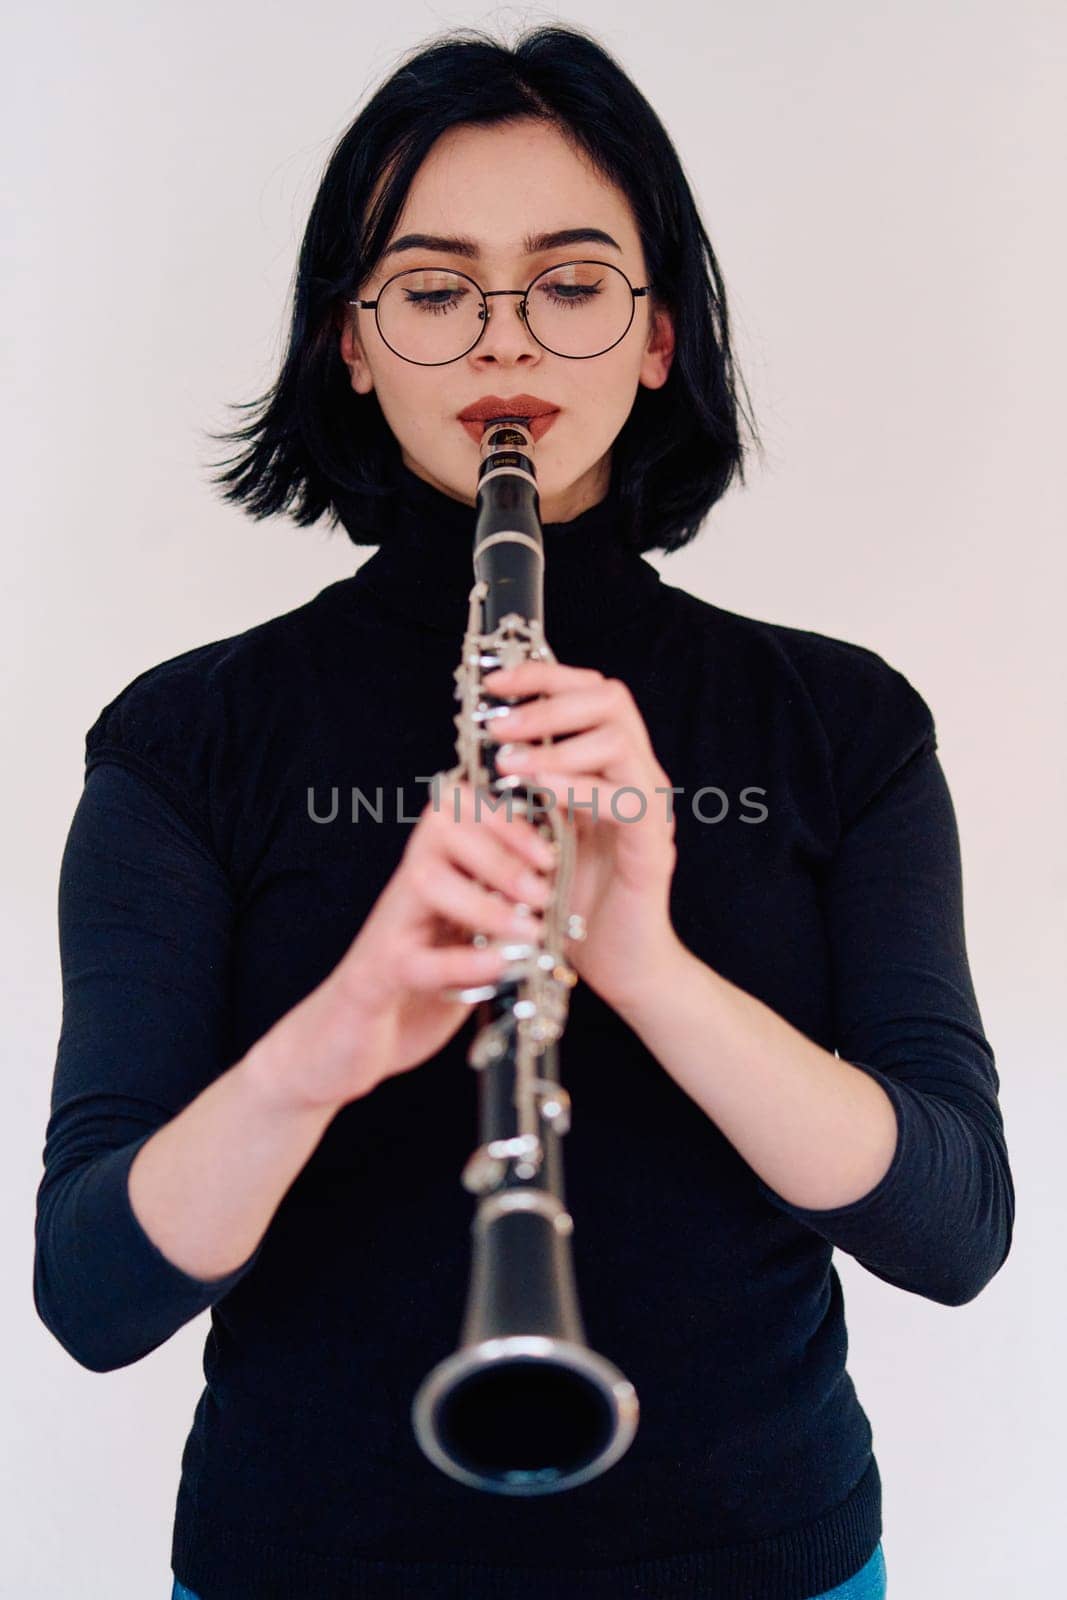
x=432, y=315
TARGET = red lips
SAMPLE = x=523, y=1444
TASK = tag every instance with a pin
x=516, y=405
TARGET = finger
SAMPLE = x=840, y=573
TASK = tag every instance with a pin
x=605, y=751
x=444, y=890
x=456, y=967
x=429, y=851
x=507, y=822
x=530, y=676
x=464, y=809
x=488, y=858
x=569, y=710
x=589, y=797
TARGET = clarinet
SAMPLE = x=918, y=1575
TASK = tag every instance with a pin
x=523, y=1406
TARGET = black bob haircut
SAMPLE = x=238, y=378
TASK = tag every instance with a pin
x=314, y=445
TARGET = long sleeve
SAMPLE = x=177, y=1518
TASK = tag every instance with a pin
x=939, y=1223
x=145, y=919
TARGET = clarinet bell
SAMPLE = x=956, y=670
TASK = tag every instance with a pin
x=524, y=1406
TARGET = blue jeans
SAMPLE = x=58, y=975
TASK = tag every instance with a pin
x=869, y=1583
x=866, y=1584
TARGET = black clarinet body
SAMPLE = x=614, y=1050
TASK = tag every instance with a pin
x=523, y=1406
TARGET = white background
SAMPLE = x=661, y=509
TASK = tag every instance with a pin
x=883, y=186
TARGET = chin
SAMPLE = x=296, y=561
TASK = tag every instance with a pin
x=451, y=477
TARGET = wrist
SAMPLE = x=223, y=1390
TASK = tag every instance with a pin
x=303, y=1066
x=272, y=1087
x=661, y=969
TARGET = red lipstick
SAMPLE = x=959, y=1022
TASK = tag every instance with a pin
x=538, y=414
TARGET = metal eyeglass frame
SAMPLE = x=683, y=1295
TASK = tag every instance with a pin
x=486, y=311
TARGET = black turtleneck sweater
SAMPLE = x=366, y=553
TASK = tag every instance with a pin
x=202, y=895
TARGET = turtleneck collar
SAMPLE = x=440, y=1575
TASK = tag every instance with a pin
x=424, y=569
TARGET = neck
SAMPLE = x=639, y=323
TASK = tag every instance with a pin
x=422, y=572
x=589, y=490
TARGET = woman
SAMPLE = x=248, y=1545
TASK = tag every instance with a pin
x=775, y=1047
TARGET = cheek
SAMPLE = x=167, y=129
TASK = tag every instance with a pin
x=604, y=398
x=413, y=401
x=420, y=412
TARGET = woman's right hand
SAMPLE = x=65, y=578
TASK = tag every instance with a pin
x=383, y=1010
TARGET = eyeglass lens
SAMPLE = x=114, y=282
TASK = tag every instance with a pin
x=431, y=315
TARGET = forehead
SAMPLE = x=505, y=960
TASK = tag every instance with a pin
x=513, y=191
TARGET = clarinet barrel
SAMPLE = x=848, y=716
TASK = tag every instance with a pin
x=523, y=1406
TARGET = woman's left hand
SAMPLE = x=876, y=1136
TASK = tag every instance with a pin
x=625, y=854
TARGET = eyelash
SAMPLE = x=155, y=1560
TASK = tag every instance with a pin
x=425, y=302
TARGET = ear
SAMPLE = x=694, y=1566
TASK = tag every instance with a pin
x=354, y=356
x=659, y=351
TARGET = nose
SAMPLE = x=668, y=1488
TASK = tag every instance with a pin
x=505, y=336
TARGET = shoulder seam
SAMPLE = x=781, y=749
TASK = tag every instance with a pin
x=170, y=791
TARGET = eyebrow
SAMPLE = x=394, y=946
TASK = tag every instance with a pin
x=534, y=243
